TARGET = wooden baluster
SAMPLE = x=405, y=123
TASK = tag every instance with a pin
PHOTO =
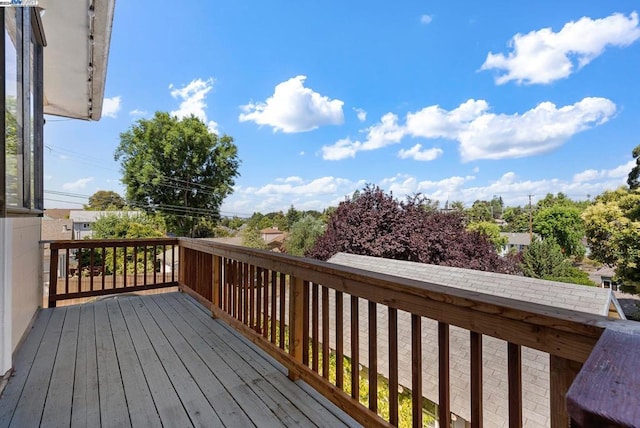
x=135, y=266
x=355, y=350
x=296, y=321
x=274, y=296
x=91, y=263
x=53, y=276
x=79, y=257
x=393, y=366
x=325, y=332
x=102, y=280
x=476, y=380
x=283, y=279
x=514, y=377
x=216, y=292
x=562, y=373
x=173, y=264
x=164, y=263
x=265, y=302
x=67, y=269
x=444, y=396
x=125, y=267
x=373, y=357
x=315, y=332
x=339, y=340
x=305, y=323
x=252, y=296
x=245, y=293
x=416, y=370
x=155, y=273
x=259, y=291
x=144, y=265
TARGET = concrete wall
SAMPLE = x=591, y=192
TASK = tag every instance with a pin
x=20, y=281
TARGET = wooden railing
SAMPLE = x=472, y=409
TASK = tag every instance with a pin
x=88, y=268
x=303, y=311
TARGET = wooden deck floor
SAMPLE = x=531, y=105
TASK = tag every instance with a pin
x=151, y=361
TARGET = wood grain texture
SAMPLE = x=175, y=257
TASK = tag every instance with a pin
x=562, y=372
x=514, y=369
x=444, y=393
x=606, y=391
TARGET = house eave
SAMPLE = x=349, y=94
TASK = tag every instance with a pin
x=75, y=60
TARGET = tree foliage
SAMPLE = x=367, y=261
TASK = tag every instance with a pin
x=544, y=259
x=177, y=167
x=125, y=226
x=491, y=231
x=564, y=224
x=105, y=200
x=613, y=232
x=376, y=224
x=303, y=235
x=251, y=238
x=517, y=219
x=633, y=180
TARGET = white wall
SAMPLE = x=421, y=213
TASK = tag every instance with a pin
x=20, y=281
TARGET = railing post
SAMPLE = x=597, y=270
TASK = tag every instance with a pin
x=217, y=281
x=182, y=265
x=296, y=325
x=562, y=373
x=53, y=276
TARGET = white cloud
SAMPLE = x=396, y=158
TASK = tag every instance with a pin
x=79, y=184
x=426, y=19
x=138, y=113
x=416, y=153
x=480, y=133
x=621, y=171
x=328, y=191
x=361, y=113
x=192, y=99
x=111, y=107
x=543, y=56
x=294, y=108
x=382, y=134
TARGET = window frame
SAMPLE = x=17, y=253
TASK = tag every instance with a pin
x=30, y=41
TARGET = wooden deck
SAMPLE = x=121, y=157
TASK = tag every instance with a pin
x=157, y=360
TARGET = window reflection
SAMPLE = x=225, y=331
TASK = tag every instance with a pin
x=13, y=121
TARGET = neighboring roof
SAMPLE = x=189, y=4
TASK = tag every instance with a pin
x=535, y=364
x=517, y=238
x=81, y=216
x=78, y=34
x=271, y=231
x=57, y=213
x=54, y=229
x=605, y=271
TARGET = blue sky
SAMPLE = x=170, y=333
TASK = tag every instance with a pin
x=456, y=100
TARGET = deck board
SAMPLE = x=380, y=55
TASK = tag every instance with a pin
x=151, y=361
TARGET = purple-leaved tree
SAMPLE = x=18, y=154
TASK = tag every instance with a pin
x=374, y=223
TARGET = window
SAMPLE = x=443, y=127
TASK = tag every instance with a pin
x=21, y=95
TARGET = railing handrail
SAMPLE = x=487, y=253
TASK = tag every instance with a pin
x=557, y=331
x=99, y=243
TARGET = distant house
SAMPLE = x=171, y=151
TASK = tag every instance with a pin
x=516, y=242
x=54, y=229
x=604, y=277
x=82, y=220
x=273, y=237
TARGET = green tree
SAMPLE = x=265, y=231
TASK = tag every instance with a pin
x=303, y=235
x=251, y=238
x=105, y=200
x=517, y=219
x=177, y=167
x=491, y=231
x=125, y=226
x=545, y=260
x=612, y=226
x=633, y=179
x=293, y=215
x=479, y=211
x=457, y=206
x=564, y=224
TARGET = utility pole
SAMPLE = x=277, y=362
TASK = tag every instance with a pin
x=530, y=220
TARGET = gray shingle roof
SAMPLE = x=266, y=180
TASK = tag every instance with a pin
x=535, y=364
